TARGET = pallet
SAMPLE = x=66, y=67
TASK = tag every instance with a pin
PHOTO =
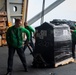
x=75, y=61
x=64, y=62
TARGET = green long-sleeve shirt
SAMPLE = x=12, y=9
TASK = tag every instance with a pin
x=74, y=35
x=30, y=29
x=14, y=36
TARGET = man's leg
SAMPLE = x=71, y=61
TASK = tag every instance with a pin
x=73, y=49
x=11, y=52
x=32, y=44
x=24, y=48
x=22, y=57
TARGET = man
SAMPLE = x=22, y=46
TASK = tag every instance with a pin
x=73, y=41
x=31, y=30
x=15, y=43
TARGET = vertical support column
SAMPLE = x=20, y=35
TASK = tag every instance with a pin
x=24, y=11
x=8, y=13
x=16, y=9
x=42, y=13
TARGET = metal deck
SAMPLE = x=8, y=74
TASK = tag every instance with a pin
x=69, y=69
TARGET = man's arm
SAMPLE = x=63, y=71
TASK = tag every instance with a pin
x=8, y=36
x=27, y=33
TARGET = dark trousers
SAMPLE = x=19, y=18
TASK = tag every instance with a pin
x=11, y=53
x=31, y=44
x=73, y=48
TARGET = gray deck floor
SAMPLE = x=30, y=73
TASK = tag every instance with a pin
x=18, y=69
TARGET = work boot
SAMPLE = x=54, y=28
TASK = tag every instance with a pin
x=52, y=73
x=26, y=70
x=8, y=73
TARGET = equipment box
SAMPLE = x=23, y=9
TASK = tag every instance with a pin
x=54, y=43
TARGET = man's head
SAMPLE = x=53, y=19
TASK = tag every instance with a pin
x=75, y=25
x=18, y=22
x=25, y=24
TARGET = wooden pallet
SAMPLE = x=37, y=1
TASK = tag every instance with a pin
x=64, y=62
x=75, y=61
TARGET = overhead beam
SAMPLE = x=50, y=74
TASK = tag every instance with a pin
x=48, y=9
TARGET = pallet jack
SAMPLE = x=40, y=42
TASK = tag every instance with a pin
x=38, y=61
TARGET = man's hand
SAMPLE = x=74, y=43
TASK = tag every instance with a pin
x=26, y=43
x=71, y=30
